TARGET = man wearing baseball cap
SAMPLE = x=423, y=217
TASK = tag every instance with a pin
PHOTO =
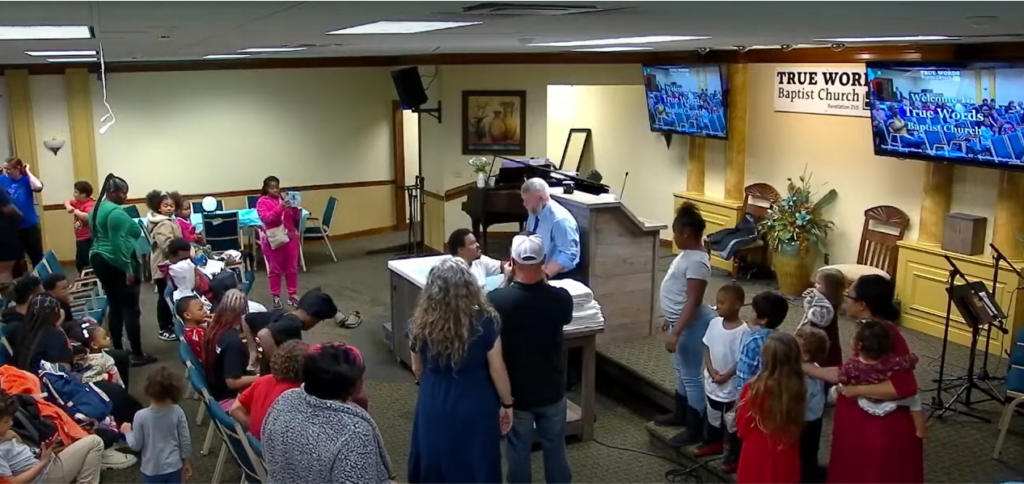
x=533, y=314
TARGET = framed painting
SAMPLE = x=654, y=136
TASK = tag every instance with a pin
x=494, y=122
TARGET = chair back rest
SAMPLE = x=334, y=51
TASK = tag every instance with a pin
x=884, y=225
x=52, y=263
x=232, y=434
x=132, y=211
x=758, y=198
x=332, y=206
x=196, y=375
x=222, y=231
x=250, y=201
x=41, y=270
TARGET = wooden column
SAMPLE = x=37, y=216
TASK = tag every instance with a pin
x=83, y=137
x=19, y=115
x=695, y=165
x=938, y=194
x=1009, y=219
x=736, y=147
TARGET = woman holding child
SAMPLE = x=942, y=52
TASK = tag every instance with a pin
x=866, y=447
x=282, y=255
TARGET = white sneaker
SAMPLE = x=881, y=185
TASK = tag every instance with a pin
x=112, y=459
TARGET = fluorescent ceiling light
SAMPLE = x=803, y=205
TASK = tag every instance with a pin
x=400, y=27
x=45, y=32
x=909, y=38
x=612, y=49
x=73, y=59
x=650, y=39
x=58, y=53
x=273, y=49
x=793, y=46
x=227, y=56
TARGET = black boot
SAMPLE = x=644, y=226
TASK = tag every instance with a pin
x=731, y=460
x=694, y=432
x=676, y=418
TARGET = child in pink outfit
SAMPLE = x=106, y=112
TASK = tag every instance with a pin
x=275, y=211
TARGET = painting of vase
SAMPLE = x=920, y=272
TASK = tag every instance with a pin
x=494, y=123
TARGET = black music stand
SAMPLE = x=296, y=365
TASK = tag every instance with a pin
x=978, y=307
x=416, y=237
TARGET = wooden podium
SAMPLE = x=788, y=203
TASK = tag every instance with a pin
x=618, y=261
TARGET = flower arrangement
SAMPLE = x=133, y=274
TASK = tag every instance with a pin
x=480, y=165
x=798, y=219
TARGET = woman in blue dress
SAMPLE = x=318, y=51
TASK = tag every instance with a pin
x=465, y=403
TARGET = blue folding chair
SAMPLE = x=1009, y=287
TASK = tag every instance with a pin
x=234, y=440
x=320, y=229
x=132, y=211
x=197, y=207
x=250, y=201
x=222, y=231
x=197, y=381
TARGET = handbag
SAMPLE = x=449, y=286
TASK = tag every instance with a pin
x=277, y=236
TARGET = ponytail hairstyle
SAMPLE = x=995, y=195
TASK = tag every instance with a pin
x=44, y=312
x=155, y=198
x=688, y=218
x=111, y=184
x=230, y=313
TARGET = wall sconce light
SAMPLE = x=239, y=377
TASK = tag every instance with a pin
x=54, y=145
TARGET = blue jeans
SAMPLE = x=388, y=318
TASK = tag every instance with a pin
x=550, y=428
x=175, y=477
x=688, y=360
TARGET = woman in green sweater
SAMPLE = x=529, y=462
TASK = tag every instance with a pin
x=114, y=235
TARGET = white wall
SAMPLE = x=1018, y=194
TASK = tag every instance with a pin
x=215, y=131
x=622, y=141
x=50, y=114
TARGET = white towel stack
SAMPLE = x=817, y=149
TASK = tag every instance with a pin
x=586, y=311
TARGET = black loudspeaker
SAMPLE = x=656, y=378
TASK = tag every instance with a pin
x=410, y=87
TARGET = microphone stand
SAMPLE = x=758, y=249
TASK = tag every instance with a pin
x=997, y=258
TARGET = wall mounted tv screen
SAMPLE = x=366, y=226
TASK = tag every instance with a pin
x=686, y=100
x=964, y=113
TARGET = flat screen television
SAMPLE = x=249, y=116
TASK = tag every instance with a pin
x=687, y=99
x=959, y=113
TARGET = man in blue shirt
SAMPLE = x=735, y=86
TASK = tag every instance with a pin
x=20, y=185
x=556, y=227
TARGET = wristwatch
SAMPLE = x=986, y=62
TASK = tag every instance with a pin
x=508, y=405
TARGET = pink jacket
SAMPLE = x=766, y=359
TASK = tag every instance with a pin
x=273, y=214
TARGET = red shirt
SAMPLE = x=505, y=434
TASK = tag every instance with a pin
x=766, y=458
x=194, y=336
x=258, y=398
x=82, y=228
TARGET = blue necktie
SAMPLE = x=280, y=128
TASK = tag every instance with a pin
x=536, y=222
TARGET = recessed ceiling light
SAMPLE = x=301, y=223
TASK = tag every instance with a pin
x=73, y=59
x=400, y=27
x=45, y=32
x=650, y=39
x=273, y=49
x=58, y=53
x=908, y=38
x=612, y=49
x=226, y=56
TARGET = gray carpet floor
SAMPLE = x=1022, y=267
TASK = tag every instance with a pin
x=622, y=450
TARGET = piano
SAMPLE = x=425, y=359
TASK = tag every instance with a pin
x=503, y=203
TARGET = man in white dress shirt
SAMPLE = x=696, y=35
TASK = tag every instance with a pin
x=462, y=244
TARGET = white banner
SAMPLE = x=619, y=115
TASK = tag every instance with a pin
x=818, y=90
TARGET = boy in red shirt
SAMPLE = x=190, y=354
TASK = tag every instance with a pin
x=79, y=208
x=194, y=315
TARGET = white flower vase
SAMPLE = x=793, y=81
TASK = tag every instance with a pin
x=481, y=180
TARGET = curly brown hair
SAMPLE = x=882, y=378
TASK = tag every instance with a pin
x=813, y=342
x=164, y=386
x=286, y=364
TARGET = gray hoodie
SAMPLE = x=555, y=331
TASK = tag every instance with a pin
x=162, y=230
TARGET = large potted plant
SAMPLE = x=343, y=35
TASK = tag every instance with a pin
x=796, y=230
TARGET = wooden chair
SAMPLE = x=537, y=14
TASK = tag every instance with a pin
x=768, y=196
x=878, y=249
